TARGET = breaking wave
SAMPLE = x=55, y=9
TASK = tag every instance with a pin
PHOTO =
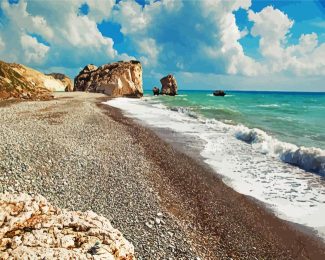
x=184, y=110
x=268, y=105
x=308, y=158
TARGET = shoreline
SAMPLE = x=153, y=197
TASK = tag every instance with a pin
x=294, y=239
x=89, y=156
x=194, y=154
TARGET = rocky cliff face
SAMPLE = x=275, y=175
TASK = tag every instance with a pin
x=18, y=81
x=67, y=82
x=115, y=79
x=31, y=228
x=168, y=85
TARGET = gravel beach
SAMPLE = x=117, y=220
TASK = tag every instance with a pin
x=83, y=155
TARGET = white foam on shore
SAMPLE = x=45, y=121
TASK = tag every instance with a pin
x=249, y=160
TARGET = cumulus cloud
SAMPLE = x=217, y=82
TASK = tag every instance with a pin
x=34, y=51
x=166, y=35
x=20, y=19
x=150, y=50
x=63, y=35
x=196, y=36
x=273, y=27
x=100, y=10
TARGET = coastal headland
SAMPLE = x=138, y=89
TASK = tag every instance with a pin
x=83, y=155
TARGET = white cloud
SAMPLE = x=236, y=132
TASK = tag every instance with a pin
x=100, y=10
x=227, y=46
x=131, y=16
x=74, y=39
x=34, y=51
x=320, y=24
x=273, y=27
x=2, y=44
x=167, y=36
x=21, y=20
x=150, y=50
x=166, y=27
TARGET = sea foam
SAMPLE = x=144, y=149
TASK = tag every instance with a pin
x=307, y=158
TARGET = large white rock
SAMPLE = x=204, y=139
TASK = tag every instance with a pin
x=31, y=228
x=114, y=79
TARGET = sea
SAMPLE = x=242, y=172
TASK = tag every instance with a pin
x=267, y=145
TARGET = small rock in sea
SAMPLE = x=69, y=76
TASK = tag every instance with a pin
x=170, y=233
x=159, y=214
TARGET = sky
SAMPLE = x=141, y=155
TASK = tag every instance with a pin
x=206, y=44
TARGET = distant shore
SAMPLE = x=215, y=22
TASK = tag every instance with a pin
x=81, y=154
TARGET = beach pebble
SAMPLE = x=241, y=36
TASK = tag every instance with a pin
x=148, y=225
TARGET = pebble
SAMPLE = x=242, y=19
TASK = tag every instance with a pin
x=157, y=220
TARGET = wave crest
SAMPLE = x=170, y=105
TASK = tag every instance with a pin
x=185, y=110
x=308, y=158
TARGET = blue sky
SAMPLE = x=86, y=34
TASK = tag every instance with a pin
x=208, y=44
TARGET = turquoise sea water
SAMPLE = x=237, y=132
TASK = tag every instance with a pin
x=292, y=117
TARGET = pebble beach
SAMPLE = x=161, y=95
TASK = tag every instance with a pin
x=83, y=155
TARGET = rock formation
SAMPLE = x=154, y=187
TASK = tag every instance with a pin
x=168, y=85
x=220, y=93
x=115, y=79
x=19, y=81
x=31, y=228
x=155, y=91
x=67, y=82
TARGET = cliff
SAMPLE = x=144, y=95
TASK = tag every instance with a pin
x=66, y=81
x=19, y=81
x=114, y=79
x=31, y=228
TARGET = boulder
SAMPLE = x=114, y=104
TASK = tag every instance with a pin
x=168, y=85
x=67, y=82
x=220, y=93
x=155, y=91
x=19, y=81
x=114, y=79
x=31, y=228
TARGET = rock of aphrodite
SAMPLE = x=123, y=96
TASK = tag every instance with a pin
x=19, y=81
x=168, y=85
x=114, y=79
x=67, y=82
x=31, y=228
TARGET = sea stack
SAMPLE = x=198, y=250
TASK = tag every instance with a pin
x=113, y=79
x=168, y=85
x=155, y=91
